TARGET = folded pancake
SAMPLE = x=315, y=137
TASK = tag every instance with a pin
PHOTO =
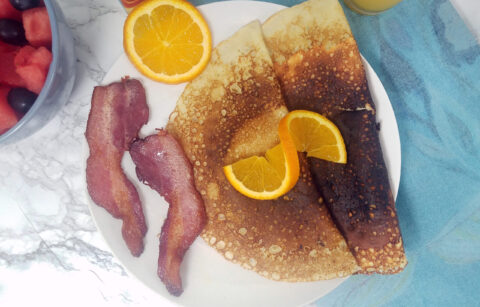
x=230, y=112
x=319, y=67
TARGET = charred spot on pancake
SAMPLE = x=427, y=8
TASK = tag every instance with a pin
x=271, y=230
x=325, y=74
x=327, y=81
x=219, y=126
x=367, y=210
x=333, y=82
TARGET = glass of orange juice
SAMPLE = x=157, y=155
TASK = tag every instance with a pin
x=370, y=7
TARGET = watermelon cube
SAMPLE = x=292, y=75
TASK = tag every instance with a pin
x=4, y=47
x=8, y=11
x=7, y=115
x=33, y=76
x=8, y=75
x=37, y=27
x=23, y=55
x=42, y=57
x=32, y=65
x=28, y=55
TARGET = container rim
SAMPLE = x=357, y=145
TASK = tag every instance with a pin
x=48, y=81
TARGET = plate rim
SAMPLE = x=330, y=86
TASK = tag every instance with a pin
x=370, y=74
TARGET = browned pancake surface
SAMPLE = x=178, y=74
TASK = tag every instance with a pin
x=230, y=112
x=320, y=69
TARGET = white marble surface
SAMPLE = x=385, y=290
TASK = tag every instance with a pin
x=50, y=250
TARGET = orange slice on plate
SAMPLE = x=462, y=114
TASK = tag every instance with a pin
x=269, y=176
x=316, y=135
x=167, y=40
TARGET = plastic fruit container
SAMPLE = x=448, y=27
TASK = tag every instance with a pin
x=58, y=84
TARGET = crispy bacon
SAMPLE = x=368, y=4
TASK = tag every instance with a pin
x=118, y=112
x=162, y=164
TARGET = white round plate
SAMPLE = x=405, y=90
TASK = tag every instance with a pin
x=208, y=279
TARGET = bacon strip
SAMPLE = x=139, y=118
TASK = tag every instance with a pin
x=162, y=164
x=118, y=112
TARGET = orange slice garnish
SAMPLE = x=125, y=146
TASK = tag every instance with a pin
x=276, y=173
x=167, y=40
x=316, y=135
x=269, y=176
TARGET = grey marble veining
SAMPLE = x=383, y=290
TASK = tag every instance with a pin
x=50, y=250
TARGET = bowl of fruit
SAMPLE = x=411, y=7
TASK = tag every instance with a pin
x=37, y=66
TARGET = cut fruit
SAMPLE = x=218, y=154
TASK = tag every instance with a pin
x=167, y=40
x=4, y=47
x=8, y=11
x=37, y=27
x=8, y=119
x=267, y=177
x=32, y=64
x=33, y=76
x=42, y=57
x=29, y=55
x=316, y=135
x=8, y=75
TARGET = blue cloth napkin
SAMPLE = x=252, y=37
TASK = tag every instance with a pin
x=429, y=64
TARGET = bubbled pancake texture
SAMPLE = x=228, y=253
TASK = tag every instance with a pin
x=230, y=112
x=319, y=67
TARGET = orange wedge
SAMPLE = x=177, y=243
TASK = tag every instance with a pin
x=167, y=40
x=269, y=176
x=316, y=135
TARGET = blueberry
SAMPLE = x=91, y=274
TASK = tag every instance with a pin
x=12, y=32
x=23, y=5
x=21, y=100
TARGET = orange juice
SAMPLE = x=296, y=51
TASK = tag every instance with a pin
x=370, y=7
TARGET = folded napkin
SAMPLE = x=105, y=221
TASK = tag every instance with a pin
x=429, y=64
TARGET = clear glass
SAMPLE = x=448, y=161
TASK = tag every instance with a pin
x=370, y=7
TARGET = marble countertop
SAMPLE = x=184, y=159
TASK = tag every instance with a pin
x=50, y=250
